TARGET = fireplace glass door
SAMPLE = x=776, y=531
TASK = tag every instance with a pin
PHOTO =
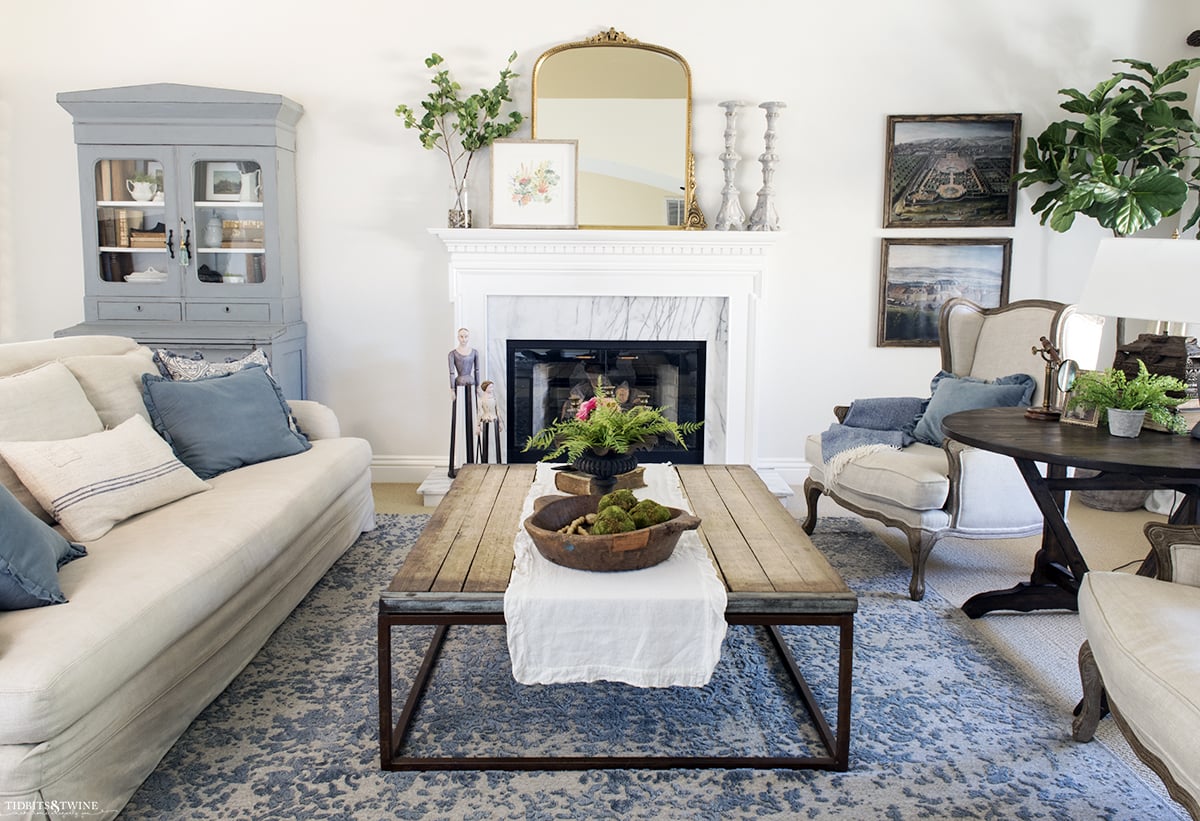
x=549, y=379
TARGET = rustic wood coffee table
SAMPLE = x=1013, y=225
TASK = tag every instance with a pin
x=457, y=572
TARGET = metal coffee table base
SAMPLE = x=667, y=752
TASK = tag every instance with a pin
x=836, y=744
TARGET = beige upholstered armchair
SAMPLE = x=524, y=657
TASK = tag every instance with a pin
x=929, y=491
x=1141, y=659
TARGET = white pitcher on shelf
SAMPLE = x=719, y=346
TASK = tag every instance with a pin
x=140, y=190
x=252, y=186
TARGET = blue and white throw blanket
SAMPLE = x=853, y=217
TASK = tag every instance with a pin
x=869, y=426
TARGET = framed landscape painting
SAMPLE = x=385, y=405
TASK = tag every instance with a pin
x=917, y=276
x=222, y=181
x=951, y=170
x=534, y=183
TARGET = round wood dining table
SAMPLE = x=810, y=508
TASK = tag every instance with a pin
x=1152, y=461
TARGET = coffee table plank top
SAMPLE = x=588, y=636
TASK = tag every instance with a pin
x=420, y=570
x=468, y=544
x=766, y=543
x=720, y=533
x=463, y=559
x=494, y=562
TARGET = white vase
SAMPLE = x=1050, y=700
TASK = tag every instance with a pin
x=213, y=233
x=1126, y=423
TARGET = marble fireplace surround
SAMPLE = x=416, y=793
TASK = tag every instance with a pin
x=621, y=285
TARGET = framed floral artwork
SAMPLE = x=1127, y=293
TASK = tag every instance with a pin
x=534, y=184
x=951, y=170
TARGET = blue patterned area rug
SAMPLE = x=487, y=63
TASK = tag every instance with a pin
x=943, y=727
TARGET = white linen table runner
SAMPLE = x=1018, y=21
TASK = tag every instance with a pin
x=661, y=626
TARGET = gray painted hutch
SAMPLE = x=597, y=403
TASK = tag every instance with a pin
x=188, y=203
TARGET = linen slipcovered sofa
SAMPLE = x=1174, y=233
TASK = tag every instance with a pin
x=170, y=603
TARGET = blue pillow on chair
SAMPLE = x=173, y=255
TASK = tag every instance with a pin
x=958, y=393
x=31, y=552
x=223, y=422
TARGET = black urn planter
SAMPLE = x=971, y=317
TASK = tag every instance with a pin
x=605, y=468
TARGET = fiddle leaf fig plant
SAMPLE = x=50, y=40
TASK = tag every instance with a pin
x=457, y=125
x=1127, y=161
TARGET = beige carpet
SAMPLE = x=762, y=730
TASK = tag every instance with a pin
x=398, y=498
x=1043, y=646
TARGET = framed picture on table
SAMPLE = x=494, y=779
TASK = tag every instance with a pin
x=917, y=276
x=535, y=184
x=1078, y=415
x=949, y=170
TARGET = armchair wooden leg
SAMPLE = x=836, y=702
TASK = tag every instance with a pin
x=920, y=545
x=1093, y=706
x=812, y=494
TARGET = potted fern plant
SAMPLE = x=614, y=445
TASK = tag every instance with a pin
x=459, y=126
x=1126, y=403
x=602, y=438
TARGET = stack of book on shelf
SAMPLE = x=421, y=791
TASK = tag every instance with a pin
x=114, y=266
x=242, y=234
x=147, y=239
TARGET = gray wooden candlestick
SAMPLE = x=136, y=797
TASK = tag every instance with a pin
x=731, y=217
x=764, y=216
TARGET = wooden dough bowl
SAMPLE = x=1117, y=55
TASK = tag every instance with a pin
x=619, y=551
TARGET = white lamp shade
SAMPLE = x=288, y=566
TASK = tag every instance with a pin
x=1151, y=279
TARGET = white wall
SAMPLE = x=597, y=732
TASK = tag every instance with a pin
x=374, y=282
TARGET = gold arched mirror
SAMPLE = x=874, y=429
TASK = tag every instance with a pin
x=629, y=105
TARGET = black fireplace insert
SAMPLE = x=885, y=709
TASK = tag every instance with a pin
x=548, y=379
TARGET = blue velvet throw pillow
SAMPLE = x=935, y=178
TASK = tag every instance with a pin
x=223, y=422
x=31, y=552
x=958, y=393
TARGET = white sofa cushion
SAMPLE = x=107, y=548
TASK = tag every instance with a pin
x=1142, y=632
x=113, y=383
x=42, y=403
x=92, y=482
x=915, y=478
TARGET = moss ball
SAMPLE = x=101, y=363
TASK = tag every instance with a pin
x=612, y=519
x=648, y=513
x=623, y=499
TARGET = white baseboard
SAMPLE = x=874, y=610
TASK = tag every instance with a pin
x=792, y=471
x=403, y=469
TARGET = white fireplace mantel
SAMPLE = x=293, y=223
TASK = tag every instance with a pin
x=572, y=265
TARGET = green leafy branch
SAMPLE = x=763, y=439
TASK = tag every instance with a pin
x=459, y=126
x=1128, y=162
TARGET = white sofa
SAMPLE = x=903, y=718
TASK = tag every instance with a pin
x=166, y=608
